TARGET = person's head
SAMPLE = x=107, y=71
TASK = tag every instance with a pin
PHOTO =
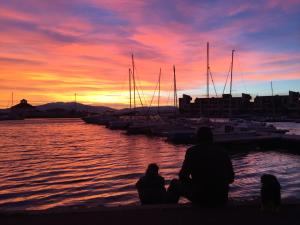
x=152, y=169
x=269, y=180
x=204, y=135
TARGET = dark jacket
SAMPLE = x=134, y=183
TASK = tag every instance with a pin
x=151, y=189
x=208, y=169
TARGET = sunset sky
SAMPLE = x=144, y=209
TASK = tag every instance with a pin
x=50, y=49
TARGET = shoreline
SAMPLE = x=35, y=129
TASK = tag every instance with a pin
x=232, y=202
x=243, y=213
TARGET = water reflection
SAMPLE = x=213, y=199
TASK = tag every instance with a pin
x=49, y=163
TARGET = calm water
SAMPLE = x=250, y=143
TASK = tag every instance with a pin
x=46, y=163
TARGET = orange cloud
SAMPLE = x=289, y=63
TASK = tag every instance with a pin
x=50, y=51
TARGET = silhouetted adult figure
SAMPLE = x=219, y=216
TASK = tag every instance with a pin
x=151, y=187
x=206, y=171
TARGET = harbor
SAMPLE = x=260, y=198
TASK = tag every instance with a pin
x=68, y=163
x=183, y=130
x=119, y=144
x=149, y=112
x=179, y=126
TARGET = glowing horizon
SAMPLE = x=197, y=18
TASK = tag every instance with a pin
x=50, y=50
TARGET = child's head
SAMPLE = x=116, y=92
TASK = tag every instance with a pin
x=152, y=169
x=270, y=193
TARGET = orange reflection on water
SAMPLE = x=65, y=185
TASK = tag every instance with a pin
x=46, y=163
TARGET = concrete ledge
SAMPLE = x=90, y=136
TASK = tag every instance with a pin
x=242, y=214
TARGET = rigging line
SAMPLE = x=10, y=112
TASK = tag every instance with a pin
x=154, y=93
x=212, y=80
x=143, y=95
x=149, y=107
x=226, y=79
x=159, y=86
x=135, y=85
x=242, y=74
x=123, y=84
x=139, y=84
x=170, y=90
x=139, y=96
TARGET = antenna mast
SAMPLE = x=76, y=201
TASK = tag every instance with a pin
x=12, y=99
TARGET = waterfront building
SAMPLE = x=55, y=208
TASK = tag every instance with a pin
x=185, y=105
x=224, y=106
x=227, y=105
x=278, y=105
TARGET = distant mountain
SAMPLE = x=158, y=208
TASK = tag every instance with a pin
x=4, y=110
x=72, y=106
x=69, y=106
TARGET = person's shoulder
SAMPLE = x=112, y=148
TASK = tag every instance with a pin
x=218, y=147
x=193, y=148
x=204, y=148
x=201, y=147
x=220, y=151
x=161, y=179
x=141, y=180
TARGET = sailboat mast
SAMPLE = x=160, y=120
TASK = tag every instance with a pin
x=272, y=88
x=230, y=92
x=273, y=102
x=175, y=88
x=231, y=70
x=129, y=78
x=207, y=71
x=158, y=99
x=133, y=77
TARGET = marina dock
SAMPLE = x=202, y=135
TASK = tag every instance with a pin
x=264, y=142
x=237, y=135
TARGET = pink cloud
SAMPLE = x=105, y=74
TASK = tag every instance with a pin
x=59, y=52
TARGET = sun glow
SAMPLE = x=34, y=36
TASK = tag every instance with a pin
x=44, y=58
